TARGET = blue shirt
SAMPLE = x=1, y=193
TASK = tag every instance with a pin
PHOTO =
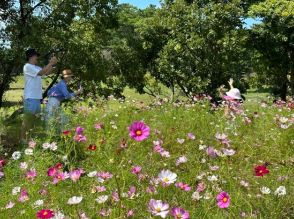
x=60, y=91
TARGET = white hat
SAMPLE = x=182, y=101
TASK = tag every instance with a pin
x=234, y=93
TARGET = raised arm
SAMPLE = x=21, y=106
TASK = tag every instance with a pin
x=231, y=82
x=48, y=68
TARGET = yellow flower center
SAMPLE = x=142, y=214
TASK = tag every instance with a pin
x=165, y=180
x=225, y=199
x=138, y=132
x=158, y=210
x=45, y=213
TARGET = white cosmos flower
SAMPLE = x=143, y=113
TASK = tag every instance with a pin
x=16, y=155
x=23, y=165
x=38, y=203
x=10, y=205
x=29, y=151
x=46, y=145
x=92, y=174
x=58, y=215
x=15, y=190
x=212, y=178
x=283, y=119
x=281, y=191
x=167, y=177
x=196, y=196
x=53, y=146
x=102, y=199
x=265, y=190
x=74, y=200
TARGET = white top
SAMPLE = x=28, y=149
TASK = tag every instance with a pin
x=33, y=82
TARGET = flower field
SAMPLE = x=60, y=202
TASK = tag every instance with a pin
x=136, y=160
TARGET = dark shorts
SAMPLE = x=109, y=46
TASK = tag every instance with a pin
x=32, y=106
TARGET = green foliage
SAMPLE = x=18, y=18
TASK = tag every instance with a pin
x=273, y=40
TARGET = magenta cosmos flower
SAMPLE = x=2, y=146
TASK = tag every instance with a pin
x=139, y=131
x=223, y=200
x=180, y=213
x=44, y=213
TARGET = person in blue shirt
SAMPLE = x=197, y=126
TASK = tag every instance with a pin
x=57, y=94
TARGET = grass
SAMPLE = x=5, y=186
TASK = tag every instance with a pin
x=257, y=143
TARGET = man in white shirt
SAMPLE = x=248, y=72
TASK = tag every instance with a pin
x=33, y=86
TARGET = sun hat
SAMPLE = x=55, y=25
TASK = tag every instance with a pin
x=67, y=73
x=234, y=94
x=31, y=52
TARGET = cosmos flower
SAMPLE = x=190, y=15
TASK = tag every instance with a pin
x=167, y=177
x=223, y=200
x=183, y=186
x=136, y=170
x=201, y=187
x=265, y=190
x=92, y=174
x=29, y=151
x=44, y=213
x=158, y=208
x=1, y=174
x=76, y=174
x=99, y=126
x=92, y=147
x=31, y=174
x=261, y=170
x=102, y=199
x=32, y=144
x=74, y=200
x=191, y=136
x=103, y=176
x=23, y=196
x=16, y=155
x=10, y=205
x=180, y=213
x=80, y=138
x=79, y=130
x=66, y=132
x=180, y=141
x=139, y=131
x=181, y=160
x=196, y=196
x=281, y=191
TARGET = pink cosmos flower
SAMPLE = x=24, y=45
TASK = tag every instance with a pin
x=201, y=187
x=211, y=152
x=52, y=171
x=23, y=196
x=115, y=196
x=102, y=176
x=223, y=138
x=59, y=176
x=31, y=174
x=99, y=126
x=76, y=174
x=1, y=174
x=132, y=192
x=139, y=131
x=130, y=213
x=79, y=130
x=191, y=136
x=2, y=163
x=180, y=160
x=136, y=170
x=180, y=213
x=80, y=138
x=183, y=186
x=158, y=208
x=223, y=200
x=100, y=188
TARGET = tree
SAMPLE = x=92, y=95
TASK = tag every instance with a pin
x=201, y=45
x=273, y=41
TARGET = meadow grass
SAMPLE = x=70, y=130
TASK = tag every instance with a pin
x=262, y=141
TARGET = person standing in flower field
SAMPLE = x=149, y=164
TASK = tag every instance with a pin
x=33, y=88
x=232, y=100
x=57, y=94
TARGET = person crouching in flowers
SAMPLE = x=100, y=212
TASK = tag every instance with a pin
x=232, y=100
x=56, y=95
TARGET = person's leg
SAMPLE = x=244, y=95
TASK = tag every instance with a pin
x=31, y=108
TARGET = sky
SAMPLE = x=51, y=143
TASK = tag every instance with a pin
x=145, y=3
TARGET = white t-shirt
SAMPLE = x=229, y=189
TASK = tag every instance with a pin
x=33, y=82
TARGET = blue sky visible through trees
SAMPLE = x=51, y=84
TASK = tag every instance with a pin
x=145, y=3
